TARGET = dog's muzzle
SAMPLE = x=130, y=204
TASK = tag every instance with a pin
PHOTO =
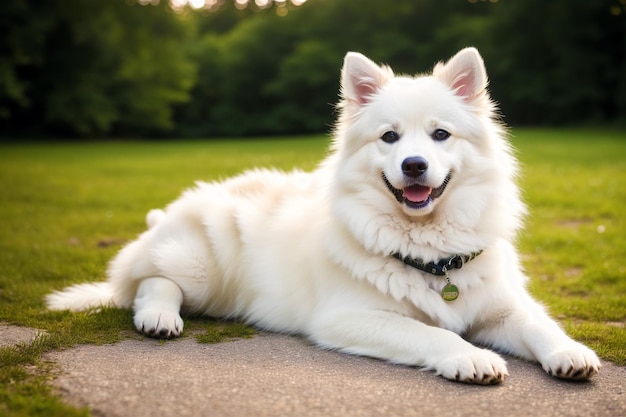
x=417, y=196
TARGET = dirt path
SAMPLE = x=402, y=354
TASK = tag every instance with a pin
x=274, y=375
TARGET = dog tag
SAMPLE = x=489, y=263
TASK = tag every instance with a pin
x=450, y=292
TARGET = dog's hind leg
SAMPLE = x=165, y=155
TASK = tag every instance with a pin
x=157, y=308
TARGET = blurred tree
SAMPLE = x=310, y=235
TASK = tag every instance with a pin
x=91, y=68
x=270, y=74
x=304, y=87
x=22, y=40
x=558, y=62
x=117, y=68
x=237, y=66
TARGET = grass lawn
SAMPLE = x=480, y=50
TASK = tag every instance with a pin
x=67, y=208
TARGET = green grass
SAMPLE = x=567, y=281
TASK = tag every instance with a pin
x=67, y=208
x=214, y=331
x=575, y=240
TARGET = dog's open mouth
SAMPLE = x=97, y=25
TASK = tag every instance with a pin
x=417, y=196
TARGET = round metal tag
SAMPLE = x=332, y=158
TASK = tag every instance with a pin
x=450, y=292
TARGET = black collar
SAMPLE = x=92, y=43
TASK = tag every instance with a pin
x=442, y=266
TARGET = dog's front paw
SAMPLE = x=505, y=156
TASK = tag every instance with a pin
x=480, y=366
x=577, y=363
x=158, y=324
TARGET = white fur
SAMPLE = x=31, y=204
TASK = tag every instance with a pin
x=309, y=253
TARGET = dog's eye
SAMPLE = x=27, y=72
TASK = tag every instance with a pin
x=440, y=134
x=390, y=136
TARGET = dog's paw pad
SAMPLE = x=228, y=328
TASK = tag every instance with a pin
x=158, y=324
x=578, y=363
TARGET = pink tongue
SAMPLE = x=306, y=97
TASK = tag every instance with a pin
x=416, y=193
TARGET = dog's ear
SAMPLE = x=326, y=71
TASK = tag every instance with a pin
x=361, y=78
x=465, y=74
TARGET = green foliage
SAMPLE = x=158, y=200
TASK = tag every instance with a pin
x=91, y=68
x=271, y=74
x=566, y=67
x=70, y=67
x=280, y=75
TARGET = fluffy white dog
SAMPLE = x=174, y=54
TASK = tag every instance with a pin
x=399, y=246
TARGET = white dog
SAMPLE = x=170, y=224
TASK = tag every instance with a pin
x=399, y=246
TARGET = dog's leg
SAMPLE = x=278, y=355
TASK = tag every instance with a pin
x=530, y=333
x=399, y=339
x=559, y=355
x=157, y=306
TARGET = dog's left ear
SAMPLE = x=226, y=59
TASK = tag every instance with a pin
x=465, y=74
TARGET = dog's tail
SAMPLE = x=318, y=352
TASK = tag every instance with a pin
x=153, y=217
x=81, y=297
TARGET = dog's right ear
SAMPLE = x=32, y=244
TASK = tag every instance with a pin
x=361, y=78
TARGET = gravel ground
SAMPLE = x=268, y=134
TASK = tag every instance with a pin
x=276, y=375
x=13, y=335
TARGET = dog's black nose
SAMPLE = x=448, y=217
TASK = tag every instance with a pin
x=414, y=166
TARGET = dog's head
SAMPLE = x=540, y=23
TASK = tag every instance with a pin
x=416, y=130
